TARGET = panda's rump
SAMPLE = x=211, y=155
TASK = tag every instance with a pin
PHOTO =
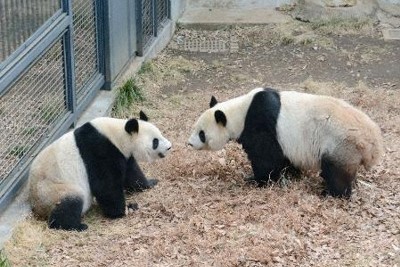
x=58, y=171
x=45, y=196
x=311, y=126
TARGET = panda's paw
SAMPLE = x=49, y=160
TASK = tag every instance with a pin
x=151, y=183
x=82, y=227
x=251, y=180
x=130, y=208
x=344, y=195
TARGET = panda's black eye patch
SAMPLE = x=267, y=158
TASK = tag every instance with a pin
x=202, y=136
x=155, y=143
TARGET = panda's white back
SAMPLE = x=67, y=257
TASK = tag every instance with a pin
x=311, y=125
x=56, y=172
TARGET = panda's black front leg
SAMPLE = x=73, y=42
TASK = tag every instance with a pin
x=263, y=172
x=266, y=157
x=112, y=203
x=135, y=180
x=107, y=186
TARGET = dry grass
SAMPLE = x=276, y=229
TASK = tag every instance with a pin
x=203, y=214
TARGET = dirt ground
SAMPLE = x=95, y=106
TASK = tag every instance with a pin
x=202, y=213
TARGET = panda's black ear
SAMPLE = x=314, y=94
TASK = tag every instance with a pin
x=220, y=117
x=132, y=126
x=143, y=116
x=213, y=101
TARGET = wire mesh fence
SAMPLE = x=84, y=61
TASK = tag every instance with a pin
x=152, y=15
x=30, y=108
x=85, y=45
x=20, y=19
x=162, y=12
x=147, y=22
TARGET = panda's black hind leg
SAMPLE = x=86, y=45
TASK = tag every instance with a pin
x=135, y=180
x=338, y=180
x=67, y=215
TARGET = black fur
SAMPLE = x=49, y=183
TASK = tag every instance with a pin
x=108, y=170
x=259, y=137
x=143, y=116
x=338, y=180
x=135, y=180
x=106, y=167
x=213, y=101
x=132, y=126
x=220, y=117
x=67, y=215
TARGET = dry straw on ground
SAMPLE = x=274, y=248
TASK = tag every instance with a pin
x=202, y=213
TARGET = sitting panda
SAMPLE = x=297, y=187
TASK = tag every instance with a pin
x=97, y=159
x=292, y=129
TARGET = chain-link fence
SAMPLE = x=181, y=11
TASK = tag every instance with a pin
x=31, y=107
x=20, y=19
x=86, y=59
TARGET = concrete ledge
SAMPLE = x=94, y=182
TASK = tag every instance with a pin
x=205, y=18
x=391, y=34
x=18, y=210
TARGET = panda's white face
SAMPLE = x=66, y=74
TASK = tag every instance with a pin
x=209, y=132
x=149, y=144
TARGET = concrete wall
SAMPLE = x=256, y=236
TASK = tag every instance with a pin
x=177, y=8
x=234, y=4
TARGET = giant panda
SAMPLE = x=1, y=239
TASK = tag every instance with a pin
x=289, y=129
x=98, y=159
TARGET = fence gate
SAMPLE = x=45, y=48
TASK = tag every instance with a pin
x=50, y=69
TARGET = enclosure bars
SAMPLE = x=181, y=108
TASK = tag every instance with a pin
x=69, y=61
x=139, y=28
x=54, y=29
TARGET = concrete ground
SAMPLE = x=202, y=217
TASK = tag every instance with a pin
x=207, y=18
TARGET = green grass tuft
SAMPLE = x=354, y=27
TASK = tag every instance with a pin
x=127, y=94
x=147, y=67
x=18, y=151
x=4, y=260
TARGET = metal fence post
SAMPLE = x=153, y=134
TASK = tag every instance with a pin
x=168, y=9
x=155, y=22
x=103, y=42
x=139, y=27
x=69, y=60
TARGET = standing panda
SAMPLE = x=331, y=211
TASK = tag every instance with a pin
x=284, y=129
x=97, y=159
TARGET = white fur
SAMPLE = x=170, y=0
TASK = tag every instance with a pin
x=308, y=126
x=217, y=135
x=59, y=171
x=139, y=144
